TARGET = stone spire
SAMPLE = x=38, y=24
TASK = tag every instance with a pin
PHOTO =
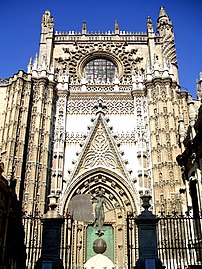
x=47, y=35
x=116, y=27
x=150, y=29
x=165, y=31
x=84, y=29
x=164, y=24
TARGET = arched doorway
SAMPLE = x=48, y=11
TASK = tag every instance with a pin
x=120, y=199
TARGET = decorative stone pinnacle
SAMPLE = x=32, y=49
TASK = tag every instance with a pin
x=116, y=28
x=84, y=27
x=150, y=25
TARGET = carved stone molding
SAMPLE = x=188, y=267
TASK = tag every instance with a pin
x=85, y=105
x=118, y=52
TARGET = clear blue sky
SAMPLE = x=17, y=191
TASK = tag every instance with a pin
x=20, y=27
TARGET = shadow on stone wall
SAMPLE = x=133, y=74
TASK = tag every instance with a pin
x=12, y=248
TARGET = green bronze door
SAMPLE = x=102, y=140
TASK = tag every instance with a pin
x=108, y=237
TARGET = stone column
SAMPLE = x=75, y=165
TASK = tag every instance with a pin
x=51, y=238
x=147, y=237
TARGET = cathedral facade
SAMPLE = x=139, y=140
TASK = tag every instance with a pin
x=96, y=112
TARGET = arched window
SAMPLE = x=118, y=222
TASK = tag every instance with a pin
x=99, y=71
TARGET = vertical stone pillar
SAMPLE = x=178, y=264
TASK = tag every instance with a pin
x=147, y=237
x=165, y=106
x=51, y=238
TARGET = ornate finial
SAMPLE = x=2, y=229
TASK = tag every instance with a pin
x=116, y=28
x=100, y=107
x=84, y=29
x=145, y=199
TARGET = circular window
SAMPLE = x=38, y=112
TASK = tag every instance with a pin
x=100, y=71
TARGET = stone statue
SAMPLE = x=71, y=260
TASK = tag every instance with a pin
x=99, y=211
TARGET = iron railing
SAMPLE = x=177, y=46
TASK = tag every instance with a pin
x=179, y=240
x=33, y=241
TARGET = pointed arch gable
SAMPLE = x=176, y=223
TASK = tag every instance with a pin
x=99, y=140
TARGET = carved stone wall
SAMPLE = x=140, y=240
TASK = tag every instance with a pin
x=74, y=56
x=116, y=104
x=15, y=126
x=39, y=151
x=164, y=110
